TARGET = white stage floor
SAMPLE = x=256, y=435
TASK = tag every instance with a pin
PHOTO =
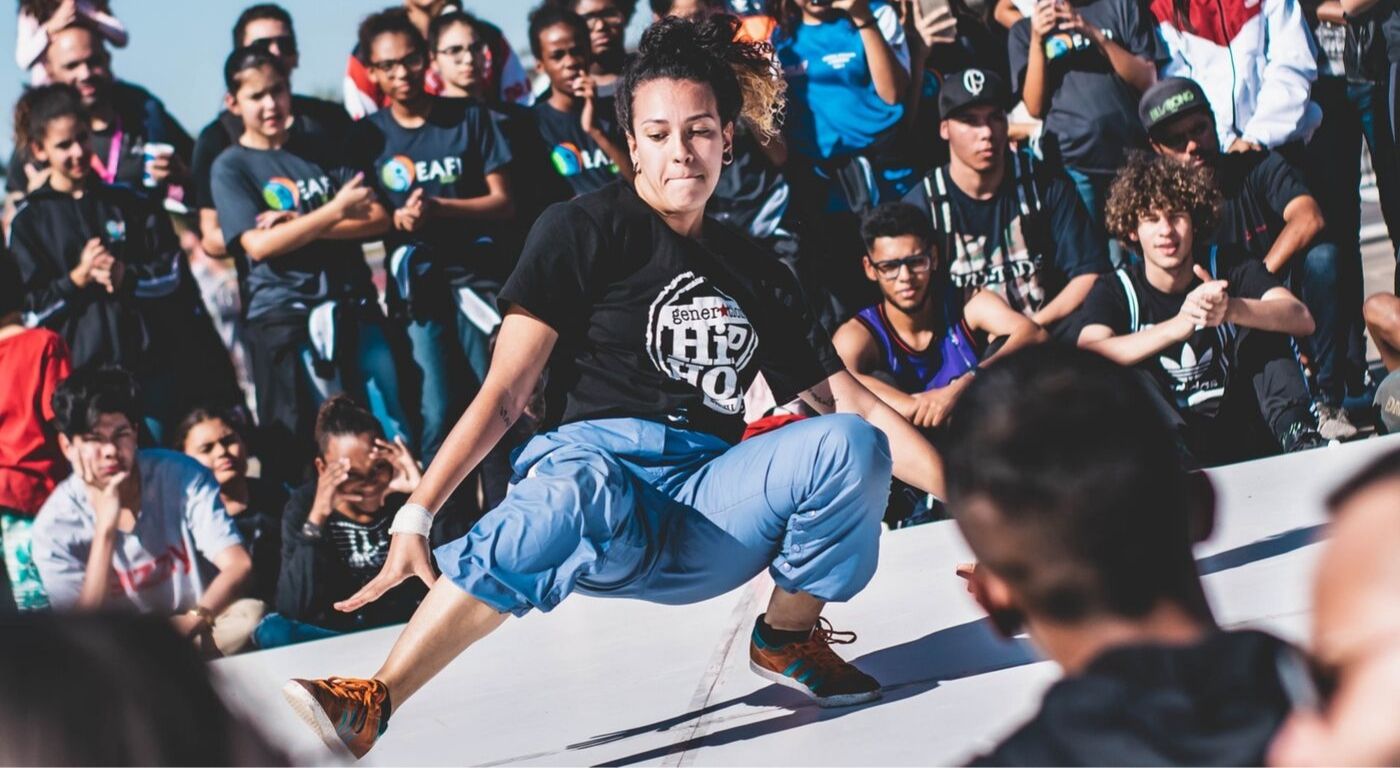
x=621, y=682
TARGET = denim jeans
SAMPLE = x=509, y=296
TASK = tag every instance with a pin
x=276, y=630
x=635, y=508
x=1314, y=277
x=1093, y=191
x=1351, y=112
x=450, y=354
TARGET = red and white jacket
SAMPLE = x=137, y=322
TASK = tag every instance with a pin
x=1255, y=60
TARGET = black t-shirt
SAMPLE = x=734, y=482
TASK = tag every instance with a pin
x=1198, y=371
x=752, y=194
x=575, y=155
x=994, y=244
x=656, y=326
x=247, y=182
x=449, y=156
x=1256, y=187
x=1093, y=114
x=141, y=118
x=318, y=131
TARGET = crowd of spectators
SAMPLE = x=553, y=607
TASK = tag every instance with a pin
x=214, y=399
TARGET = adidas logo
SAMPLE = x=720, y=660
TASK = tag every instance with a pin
x=1188, y=368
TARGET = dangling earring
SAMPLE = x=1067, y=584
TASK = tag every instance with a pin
x=729, y=154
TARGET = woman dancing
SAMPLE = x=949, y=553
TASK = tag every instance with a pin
x=654, y=321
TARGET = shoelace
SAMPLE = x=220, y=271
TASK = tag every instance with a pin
x=818, y=651
x=358, y=692
x=829, y=636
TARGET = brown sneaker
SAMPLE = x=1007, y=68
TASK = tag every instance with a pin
x=345, y=712
x=812, y=667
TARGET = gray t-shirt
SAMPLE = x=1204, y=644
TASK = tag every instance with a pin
x=164, y=564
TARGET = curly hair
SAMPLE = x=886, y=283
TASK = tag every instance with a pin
x=1149, y=182
x=743, y=74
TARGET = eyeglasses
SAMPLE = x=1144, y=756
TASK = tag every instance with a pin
x=606, y=16
x=412, y=62
x=287, y=44
x=918, y=264
x=456, y=52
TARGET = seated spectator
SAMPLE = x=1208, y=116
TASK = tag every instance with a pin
x=1006, y=223
x=214, y=438
x=122, y=119
x=318, y=126
x=92, y=553
x=607, y=22
x=1268, y=211
x=157, y=703
x=951, y=40
x=1356, y=631
x=505, y=77
x=1065, y=485
x=579, y=126
x=439, y=166
x=335, y=531
x=920, y=347
x=1382, y=313
x=296, y=222
x=100, y=265
x=40, y=18
x=1257, y=69
x=32, y=363
x=1206, y=326
x=1081, y=66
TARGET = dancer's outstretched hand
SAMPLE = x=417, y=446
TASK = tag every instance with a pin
x=408, y=557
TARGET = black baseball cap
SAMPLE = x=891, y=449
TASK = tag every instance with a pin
x=969, y=88
x=1168, y=99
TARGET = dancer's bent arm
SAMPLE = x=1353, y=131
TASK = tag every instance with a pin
x=915, y=461
x=522, y=350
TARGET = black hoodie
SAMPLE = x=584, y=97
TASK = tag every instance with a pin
x=47, y=237
x=1217, y=702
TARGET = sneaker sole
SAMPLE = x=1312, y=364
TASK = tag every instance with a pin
x=839, y=700
x=309, y=710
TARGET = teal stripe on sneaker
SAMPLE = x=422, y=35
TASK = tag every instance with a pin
x=792, y=668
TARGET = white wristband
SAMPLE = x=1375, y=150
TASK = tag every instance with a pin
x=414, y=519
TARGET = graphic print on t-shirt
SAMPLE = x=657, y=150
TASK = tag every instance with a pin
x=698, y=334
x=1009, y=269
x=569, y=160
x=284, y=194
x=1199, y=368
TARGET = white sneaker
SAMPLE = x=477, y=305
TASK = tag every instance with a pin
x=1333, y=424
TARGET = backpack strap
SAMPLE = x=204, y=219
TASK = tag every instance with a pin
x=941, y=207
x=1214, y=267
x=1134, y=316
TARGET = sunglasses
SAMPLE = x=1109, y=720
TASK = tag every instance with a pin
x=287, y=44
x=1178, y=139
x=918, y=264
x=606, y=15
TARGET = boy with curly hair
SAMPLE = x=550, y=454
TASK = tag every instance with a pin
x=1206, y=325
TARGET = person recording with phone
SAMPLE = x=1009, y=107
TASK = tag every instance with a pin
x=1081, y=66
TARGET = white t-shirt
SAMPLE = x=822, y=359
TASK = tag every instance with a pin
x=164, y=564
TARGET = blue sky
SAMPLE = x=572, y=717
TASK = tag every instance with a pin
x=178, y=47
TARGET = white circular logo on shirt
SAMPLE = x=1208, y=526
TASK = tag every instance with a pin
x=699, y=335
x=973, y=81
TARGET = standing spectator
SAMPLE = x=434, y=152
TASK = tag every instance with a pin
x=32, y=363
x=1006, y=223
x=101, y=265
x=1355, y=635
x=1081, y=66
x=1256, y=62
x=438, y=165
x=92, y=554
x=318, y=126
x=1269, y=212
x=1353, y=107
x=122, y=119
x=607, y=22
x=1206, y=325
x=40, y=18
x=504, y=75
x=579, y=126
x=314, y=324
x=336, y=531
x=1063, y=481
x=214, y=438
